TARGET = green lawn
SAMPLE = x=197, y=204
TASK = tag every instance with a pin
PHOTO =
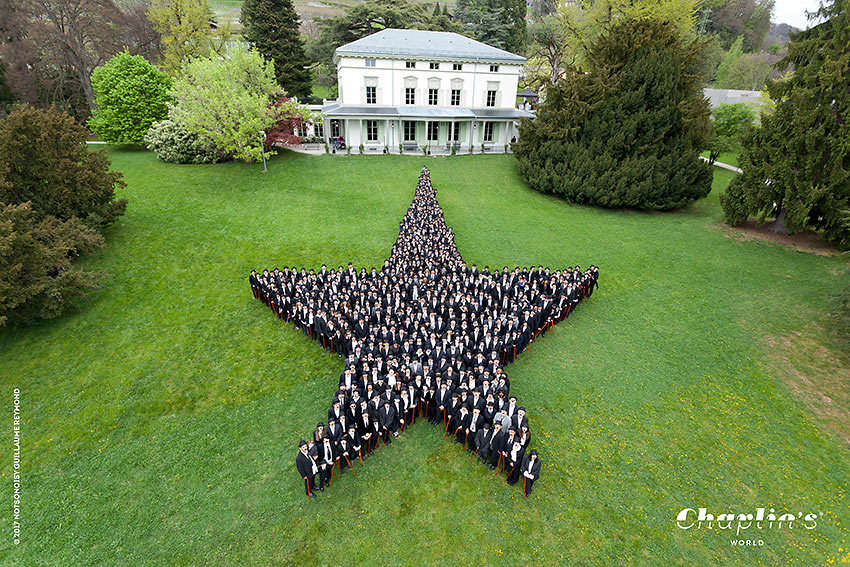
x=161, y=419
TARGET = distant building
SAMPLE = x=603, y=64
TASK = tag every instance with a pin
x=423, y=90
x=732, y=96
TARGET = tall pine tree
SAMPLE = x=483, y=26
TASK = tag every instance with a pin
x=797, y=163
x=272, y=27
x=627, y=133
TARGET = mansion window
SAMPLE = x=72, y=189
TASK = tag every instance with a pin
x=371, y=130
x=409, y=95
x=319, y=129
x=455, y=97
x=409, y=131
x=435, y=65
x=433, y=131
x=370, y=62
x=491, y=98
x=410, y=64
x=371, y=95
x=457, y=66
x=488, y=131
x=494, y=68
x=455, y=133
x=432, y=97
x=334, y=128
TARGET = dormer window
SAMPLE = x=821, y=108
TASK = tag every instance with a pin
x=370, y=62
x=457, y=66
x=410, y=64
x=494, y=68
x=435, y=65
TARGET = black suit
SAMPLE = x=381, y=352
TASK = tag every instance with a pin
x=535, y=472
x=304, y=464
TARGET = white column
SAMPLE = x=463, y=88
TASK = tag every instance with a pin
x=507, y=127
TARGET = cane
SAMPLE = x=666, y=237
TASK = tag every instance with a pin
x=332, y=474
x=360, y=453
x=475, y=453
x=512, y=471
x=307, y=485
x=447, y=427
x=349, y=466
x=465, y=439
x=524, y=480
x=499, y=464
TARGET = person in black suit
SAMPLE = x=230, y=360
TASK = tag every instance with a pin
x=306, y=468
x=514, y=459
x=387, y=421
x=530, y=470
x=482, y=442
x=327, y=458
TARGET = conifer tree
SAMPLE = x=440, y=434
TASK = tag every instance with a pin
x=627, y=133
x=272, y=28
x=796, y=163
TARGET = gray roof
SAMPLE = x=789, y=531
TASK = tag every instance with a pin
x=419, y=44
x=731, y=96
x=335, y=109
x=526, y=93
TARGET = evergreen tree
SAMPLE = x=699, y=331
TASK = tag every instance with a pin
x=796, y=163
x=629, y=132
x=728, y=61
x=272, y=28
x=513, y=16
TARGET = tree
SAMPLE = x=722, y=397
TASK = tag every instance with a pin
x=629, y=131
x=227, y=101
x=369, y=17
x=795, y=163
x=485, y=21
x=748, y=72
x=130, y=95
x=747, y=18
x=290, y=115
x=51, y=48
x=500, y=23
x=586, y=20
x=37, y=279
x=734, y=53
x=185, y=29
x=49, y=165
x=272, y=28
x=546, y=63
x=55, y=197
x=729, y=123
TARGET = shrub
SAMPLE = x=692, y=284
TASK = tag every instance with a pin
x=175, y=144
x=130, y=94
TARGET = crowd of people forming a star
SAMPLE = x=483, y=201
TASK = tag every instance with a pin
x=426, y=337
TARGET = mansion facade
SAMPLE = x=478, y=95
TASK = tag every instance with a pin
x=414, y=91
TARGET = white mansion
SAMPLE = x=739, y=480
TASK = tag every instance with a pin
x=421, y=90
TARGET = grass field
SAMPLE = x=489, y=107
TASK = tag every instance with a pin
x=160, y=421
